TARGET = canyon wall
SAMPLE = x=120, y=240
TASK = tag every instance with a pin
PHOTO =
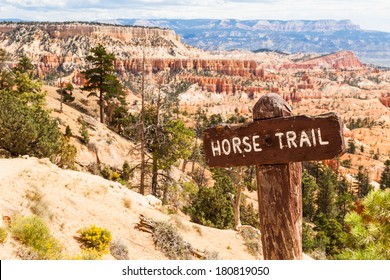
x=66, y=30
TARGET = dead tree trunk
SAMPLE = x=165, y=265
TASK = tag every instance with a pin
x=236, y=201
x=279, y=194
x=142, y=128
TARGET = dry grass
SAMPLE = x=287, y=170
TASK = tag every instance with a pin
x=179, y=223
x=252, y=241
x=39, y=206
x=119, y=250
x=169, y=241
x=127, y=202
x=198, y=229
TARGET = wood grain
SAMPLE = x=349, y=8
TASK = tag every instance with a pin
x=270, y=136
x=280, y=197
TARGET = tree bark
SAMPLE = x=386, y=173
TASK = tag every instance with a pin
x=236, y=201
x=279, y=194
x=236, y=206
x=101, y=106
x=154, y=176
x=142, y=179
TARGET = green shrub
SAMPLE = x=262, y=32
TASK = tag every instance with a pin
x=346, y=163
x=249, y=215
x=126, y=171
x=109, y=173
x=34, y=233
x=3, y=235
x=212, y=206
x=67, y=156
x=68, y=132
x=96, y=238
x=28, y=130
x=84, y=131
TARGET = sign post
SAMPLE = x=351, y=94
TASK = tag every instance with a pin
x=276, y=143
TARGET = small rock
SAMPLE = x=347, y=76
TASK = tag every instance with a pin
x=154, y=201
x=45, y=161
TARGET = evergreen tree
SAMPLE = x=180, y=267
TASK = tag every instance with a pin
x=28, y=130
x=6, y=77
x=68, y=93
x=364, y=186
x=369, y=232
x=212, y=206
x=351, y=146
x=170, y=142
x=25, y=126
x=330, y=235
x=326, y=197
x=385, y=176
x=25, y=66
x=344, y=199
x=100, y=78
x=23, y=86
x=167, y=140
x=309, y=189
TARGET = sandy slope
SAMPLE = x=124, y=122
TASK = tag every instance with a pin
x=75, y=200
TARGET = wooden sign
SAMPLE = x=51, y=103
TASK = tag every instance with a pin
x=274, y=141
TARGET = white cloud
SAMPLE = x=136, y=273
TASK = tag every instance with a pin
x=369, y=14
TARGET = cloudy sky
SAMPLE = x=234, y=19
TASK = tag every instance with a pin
x=369, y=14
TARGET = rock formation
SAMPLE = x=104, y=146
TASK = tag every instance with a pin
x=385, y=99
x=66, y=30
x=338, y=60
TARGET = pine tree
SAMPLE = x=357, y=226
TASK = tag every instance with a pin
x=385, y=176
x=326, y=197
x=309, y=189
x=29, y=130
x=351, y=146
x=364, y=186
x=100, y=78
x=212, y=206
x=344, y=199
x=330, y=235
x=25, y=126
x=25, y=88
x=369, y=232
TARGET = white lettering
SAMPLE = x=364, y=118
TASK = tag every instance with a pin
x=226, y=149
x=236, y=145
x=313, y=137
x=248, y=147
x=291, y=136
x=320, y=139
x=216, y=149
x=280, y=134
x=304, y=139
x=256, y=146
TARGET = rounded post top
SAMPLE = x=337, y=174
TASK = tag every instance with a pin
x=271, y=105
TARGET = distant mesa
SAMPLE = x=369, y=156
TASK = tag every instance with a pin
x=291, y=36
